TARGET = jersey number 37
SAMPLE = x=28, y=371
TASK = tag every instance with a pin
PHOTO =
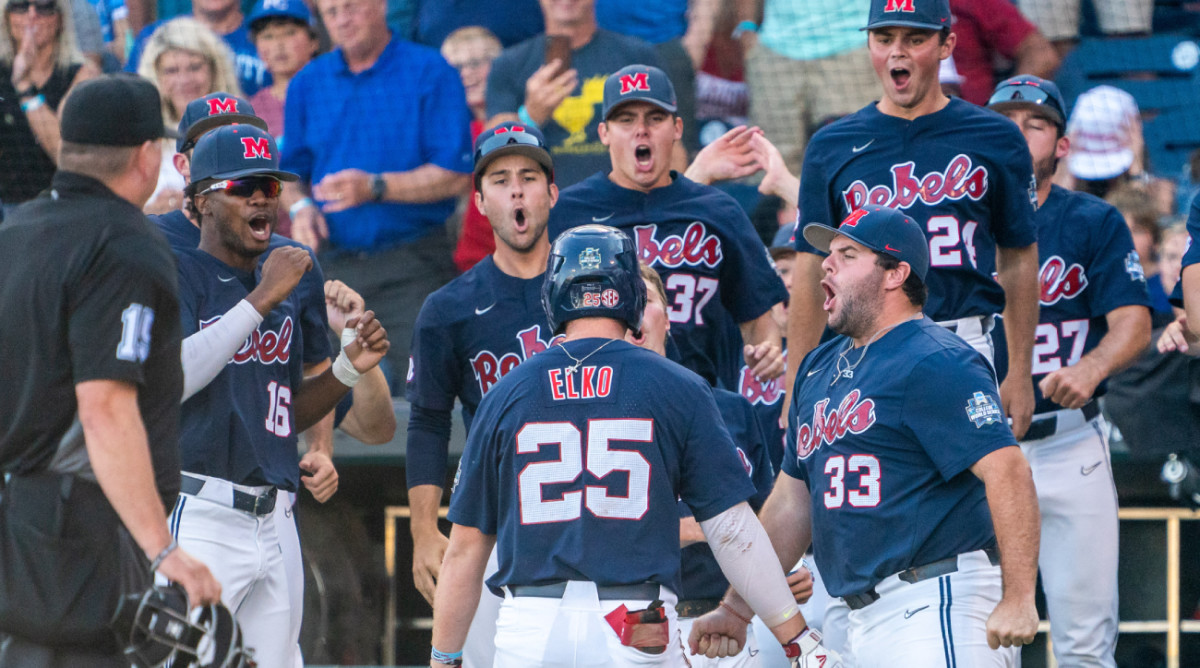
x=600, y=460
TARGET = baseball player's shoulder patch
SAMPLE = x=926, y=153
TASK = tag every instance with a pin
x=983, y=410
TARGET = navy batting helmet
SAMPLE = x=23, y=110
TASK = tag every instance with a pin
x=593, y=273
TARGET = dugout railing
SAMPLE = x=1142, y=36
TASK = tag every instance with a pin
x=1172, y=625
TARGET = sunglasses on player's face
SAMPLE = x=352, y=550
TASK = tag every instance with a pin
x=22, y=6
x=1026, y=92
x=245, y=187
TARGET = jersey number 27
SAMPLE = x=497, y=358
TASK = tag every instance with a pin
x=600, y=461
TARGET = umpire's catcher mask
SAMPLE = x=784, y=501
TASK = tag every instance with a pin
x=156, y=628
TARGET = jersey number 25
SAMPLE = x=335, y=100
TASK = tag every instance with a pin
x=601, y=460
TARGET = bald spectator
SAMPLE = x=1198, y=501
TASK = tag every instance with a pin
x=563, y=99
x=225, y=18
x=988, y=29
x=512, y=21
x=378, y=130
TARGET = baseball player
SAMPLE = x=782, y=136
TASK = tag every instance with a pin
x=573, y=471
x=1094, y=320
x=901, y=459
x=712, y=263
x=701, y=581
x=246, y=397
x=961, y=172
x=182, y=230
x=1186, y=295
x=472, y=332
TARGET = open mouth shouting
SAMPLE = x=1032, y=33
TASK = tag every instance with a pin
x=260, y=225
x=900, y=77
x=520, y=220
x=643, y=158
x=830, y=295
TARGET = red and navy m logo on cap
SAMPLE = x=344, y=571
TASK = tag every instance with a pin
x=899, y=6
x=222, y=105
x=853, y=218
x=256, y=147
x=635, y=81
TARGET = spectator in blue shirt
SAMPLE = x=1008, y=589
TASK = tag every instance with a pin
x=225, y=18
x=512, y=21
x=378, y=130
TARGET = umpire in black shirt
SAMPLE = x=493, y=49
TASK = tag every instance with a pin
x=90, y=382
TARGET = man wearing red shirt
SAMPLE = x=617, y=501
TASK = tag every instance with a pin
x=986, y=28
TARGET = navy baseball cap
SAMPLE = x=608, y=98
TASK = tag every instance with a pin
x=638, y=83
x=264, y=10
x=882, y=229
x=235, y=151
x=927, y=14
x=1028, y=91
x=214, y=110
x=509, y=139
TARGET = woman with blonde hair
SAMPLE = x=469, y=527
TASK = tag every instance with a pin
x=39, y=63
x=185, y=60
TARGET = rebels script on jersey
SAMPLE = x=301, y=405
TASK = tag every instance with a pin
x=239, y=427
x=963, y=173
x=181, y=234
x=886, y=452
x=577, y=465
x=470, y=333
x=701, y=576
x=701, y=243
x=1088, y=268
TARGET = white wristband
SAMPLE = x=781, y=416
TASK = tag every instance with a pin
x=299, y=206
x=344, y=371
x=348, y=336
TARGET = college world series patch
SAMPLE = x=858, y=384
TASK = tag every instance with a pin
x=982, y=410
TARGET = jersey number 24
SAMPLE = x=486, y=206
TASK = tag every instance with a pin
x=600, y=460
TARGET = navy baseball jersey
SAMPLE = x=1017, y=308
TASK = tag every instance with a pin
x=314, y=320
x=766, y=400
x=469, y=333
x=886, y=452
x=1088, y=268
x=701, y=575
x=1192, y=254
x=240, y=426
x=963, y=173
x=578, y=474
x=701, y=243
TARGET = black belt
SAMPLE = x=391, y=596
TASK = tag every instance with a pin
x=259, y=505
x=696, y=607
x=645, y=591
x=1048, y=426
x=917, y=574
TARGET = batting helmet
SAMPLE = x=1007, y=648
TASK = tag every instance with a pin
x=593, y=272
x=156, y=629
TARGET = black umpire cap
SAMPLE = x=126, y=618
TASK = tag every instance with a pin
x=113, y=110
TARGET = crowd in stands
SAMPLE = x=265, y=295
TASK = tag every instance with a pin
x=376, y=103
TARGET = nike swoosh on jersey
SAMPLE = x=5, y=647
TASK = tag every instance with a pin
x=1087, y=470
x=226, y=280
x=858, y=149
x=601, y=220
x=910, y=613
x=481, y=311
x=812, y=373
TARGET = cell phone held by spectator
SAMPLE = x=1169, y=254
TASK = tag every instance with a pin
x=559, y=47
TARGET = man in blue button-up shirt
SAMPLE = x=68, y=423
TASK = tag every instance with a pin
x=378, y=131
